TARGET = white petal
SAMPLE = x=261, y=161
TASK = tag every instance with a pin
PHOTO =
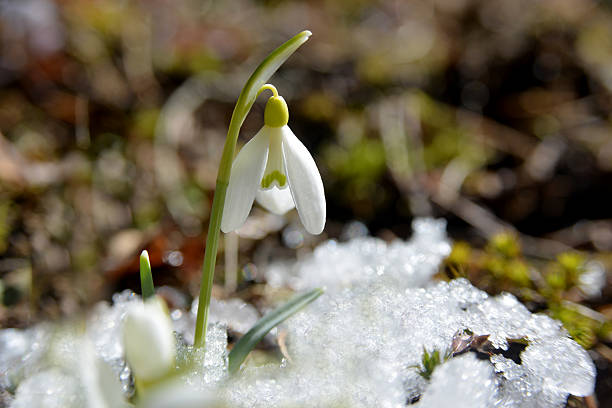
x=275, y=200
x=245, y=178
x=305, y=183
x=148, y=341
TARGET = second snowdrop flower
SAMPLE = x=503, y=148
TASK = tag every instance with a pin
x=276, y=169
x=148, y=340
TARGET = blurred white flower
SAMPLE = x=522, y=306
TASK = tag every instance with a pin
x=275, y=168
x=148, y=340
x=71, y=376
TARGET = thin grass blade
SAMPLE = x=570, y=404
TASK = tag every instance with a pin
x=267, y=323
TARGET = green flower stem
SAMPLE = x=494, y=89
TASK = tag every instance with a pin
x=245, y=101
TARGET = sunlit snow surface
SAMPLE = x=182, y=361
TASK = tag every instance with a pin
x=358, y=345
x=335, y=266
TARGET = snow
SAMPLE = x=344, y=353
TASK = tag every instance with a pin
x=50, y=388
x=334, y=265
x=463, y=382
x=360, y=344
x=238, y=315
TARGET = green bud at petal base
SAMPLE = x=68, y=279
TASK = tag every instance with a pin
x=277, y=112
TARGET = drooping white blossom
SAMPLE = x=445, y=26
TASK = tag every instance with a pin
x=275, y=168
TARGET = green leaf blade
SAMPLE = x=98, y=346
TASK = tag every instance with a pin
x=267, y=323
x=146, y=277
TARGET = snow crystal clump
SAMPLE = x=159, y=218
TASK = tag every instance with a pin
x=238, y=315
x=363, y=347
x=463, y=382
x=211, y=364
x=51, y=388
x=362, y=342
x=335, y=266
x=20, y=352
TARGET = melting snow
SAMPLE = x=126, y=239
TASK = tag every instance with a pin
x=358, y=345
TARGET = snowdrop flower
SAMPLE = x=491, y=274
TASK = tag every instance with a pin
x=76, y=376
x=275, y=168
x=148, y=340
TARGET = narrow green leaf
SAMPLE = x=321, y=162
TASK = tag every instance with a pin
x=267, y=323
x=146, y=278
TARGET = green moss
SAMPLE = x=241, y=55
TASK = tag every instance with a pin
x=504, y=244
x=583, y=329
x=363, y=160
x=460, y=254
x=518, y=272
x=429, y=362
x=445, y=138
x=572, y=265
x=563, y=273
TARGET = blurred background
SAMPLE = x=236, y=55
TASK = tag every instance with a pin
x=494, y=114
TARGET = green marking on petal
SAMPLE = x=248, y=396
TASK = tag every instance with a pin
x=268, y=179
